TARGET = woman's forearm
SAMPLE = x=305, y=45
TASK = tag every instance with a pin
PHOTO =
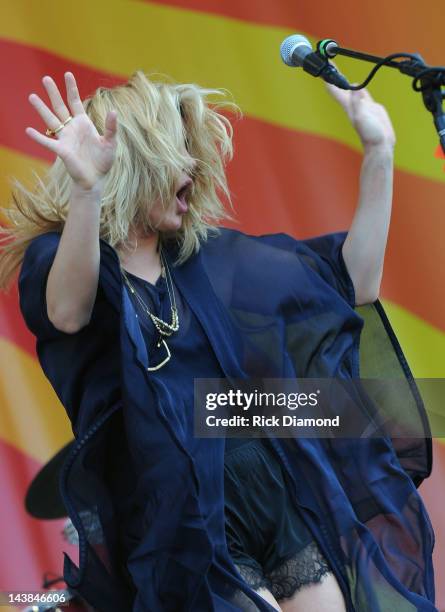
x=73, y=278
x=365, y=244
x=88, y=157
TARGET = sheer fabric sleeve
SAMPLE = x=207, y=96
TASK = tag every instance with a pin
x=324, y=255
x=32, y=280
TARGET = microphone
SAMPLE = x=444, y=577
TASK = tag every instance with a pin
x=297, y=51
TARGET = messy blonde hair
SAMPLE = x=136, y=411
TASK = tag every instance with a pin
x=162, y=126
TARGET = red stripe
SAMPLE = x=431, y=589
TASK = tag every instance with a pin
x=283, y=179
x=12, y=326
x=30, y=547
x=23, y=77
x=377, y=27
x=314, y=185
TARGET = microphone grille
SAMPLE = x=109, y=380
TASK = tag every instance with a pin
x=288, y=46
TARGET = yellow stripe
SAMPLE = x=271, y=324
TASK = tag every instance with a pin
x=218, y=51
x=15, y=165
x=41, y=412
x=424, y=349
x=32, y=418
x=34, y=421
x=422, y=344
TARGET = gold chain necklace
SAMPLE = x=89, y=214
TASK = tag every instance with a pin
x=163, y=328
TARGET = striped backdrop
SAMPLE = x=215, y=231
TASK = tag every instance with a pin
x=296, y=169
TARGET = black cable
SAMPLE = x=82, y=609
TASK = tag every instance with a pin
x=439, y=80
x=389, y=58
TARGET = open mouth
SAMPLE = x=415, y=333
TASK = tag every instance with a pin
x=183, y=194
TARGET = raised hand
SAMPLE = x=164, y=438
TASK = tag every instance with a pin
x=370, y=119
x=87, y=155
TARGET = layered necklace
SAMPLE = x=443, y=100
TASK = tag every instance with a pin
x=163, y=328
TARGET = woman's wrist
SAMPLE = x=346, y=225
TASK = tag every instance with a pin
x=384, y=149
x=91, y=194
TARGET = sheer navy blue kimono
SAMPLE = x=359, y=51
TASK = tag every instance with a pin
x=271, y=306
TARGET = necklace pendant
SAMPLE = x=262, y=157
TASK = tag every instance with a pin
x=162, y=327
x=165, y=360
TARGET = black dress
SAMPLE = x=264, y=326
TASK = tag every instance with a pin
x=267, y=539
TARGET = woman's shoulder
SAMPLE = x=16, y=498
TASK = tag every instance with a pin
x=226, y=236
x=280, y=253
x=43, y=243
x=37, y=261
x=322, y=247
x=52, y=238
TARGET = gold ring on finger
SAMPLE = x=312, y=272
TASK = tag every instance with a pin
x=50, y=132
x=53, y=132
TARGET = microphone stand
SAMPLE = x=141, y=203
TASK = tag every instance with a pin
x=431, y=78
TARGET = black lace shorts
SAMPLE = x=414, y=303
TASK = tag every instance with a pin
x=269, y=543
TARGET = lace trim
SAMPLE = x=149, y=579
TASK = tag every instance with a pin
x=254, y=578
x=308, y=566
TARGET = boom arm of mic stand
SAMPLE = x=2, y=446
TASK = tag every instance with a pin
x=431, y=84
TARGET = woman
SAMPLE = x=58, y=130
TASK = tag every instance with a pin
x=124, y=324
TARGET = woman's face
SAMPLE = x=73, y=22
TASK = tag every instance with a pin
x=169, y=218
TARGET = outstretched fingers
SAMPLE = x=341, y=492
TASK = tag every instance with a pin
x=49, y=118
x=59, y=106
x=110, y=127
x=72, y=93
x=50, y=143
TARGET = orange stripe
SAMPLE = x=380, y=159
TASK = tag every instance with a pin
x=307, y=185
x=377, y=27
x=35, y=420
x=284, y=180
x=34, y=64
x=243, y=57
x=278, y=186
x=12, y=326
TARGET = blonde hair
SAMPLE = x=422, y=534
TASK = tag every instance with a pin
x=162, y=127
